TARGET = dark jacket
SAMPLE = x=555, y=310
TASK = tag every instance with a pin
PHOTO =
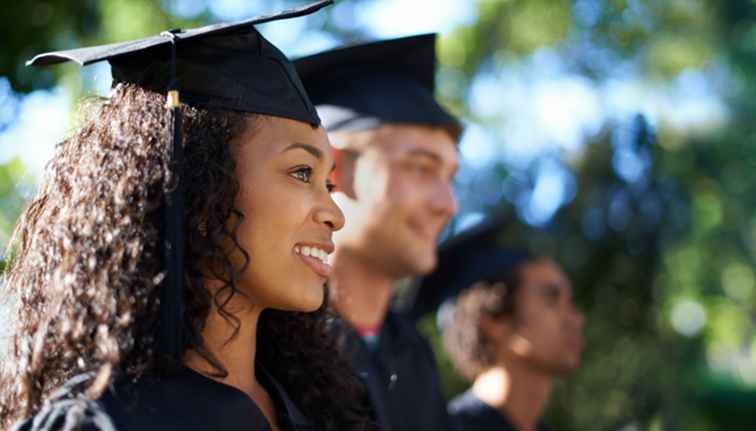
x=401, y=377
x=470, y=413
x=185, y=401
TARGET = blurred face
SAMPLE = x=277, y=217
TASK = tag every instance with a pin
x=397, y=193
x=547, y=330
x=283, y=168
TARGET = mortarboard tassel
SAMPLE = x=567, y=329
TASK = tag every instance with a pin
x=170, y=341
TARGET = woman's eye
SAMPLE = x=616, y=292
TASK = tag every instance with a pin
x=552, y=296
x=303, y=174
x=330, y=186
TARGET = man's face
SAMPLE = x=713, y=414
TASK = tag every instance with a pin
x=396, y=193
x=546, y=331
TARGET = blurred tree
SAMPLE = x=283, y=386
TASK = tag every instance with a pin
x=15, y=188
x=29, y=28
x=660, y=240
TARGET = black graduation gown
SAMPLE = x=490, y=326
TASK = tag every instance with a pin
x=470, y=413
x=401, y=377
x=186, y=401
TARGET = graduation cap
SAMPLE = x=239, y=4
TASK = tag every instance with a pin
x=464, y=259
x=226, y=66
x=390, y=81
x=223, y=66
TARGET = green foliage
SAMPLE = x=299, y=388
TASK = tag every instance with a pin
x=687, y=231
x=28, y=28
x=15, y=187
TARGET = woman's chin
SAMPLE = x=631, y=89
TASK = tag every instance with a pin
x=310, y=299
x=316, y=301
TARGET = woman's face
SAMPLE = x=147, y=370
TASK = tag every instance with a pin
x=283, y=167
x=548, y=329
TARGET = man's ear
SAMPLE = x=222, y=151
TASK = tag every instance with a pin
x=343, y=175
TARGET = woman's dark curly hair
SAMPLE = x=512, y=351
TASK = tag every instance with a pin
x=493, y=295
x=85, y=268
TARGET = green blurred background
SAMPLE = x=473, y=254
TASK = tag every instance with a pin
x=617, y=135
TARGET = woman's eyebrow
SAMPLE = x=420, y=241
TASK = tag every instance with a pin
x=551, y=288
x=315, y=151
x=557, y=289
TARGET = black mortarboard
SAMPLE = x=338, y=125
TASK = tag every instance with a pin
x=464, y=259
x=390, y=81
x=225, y=66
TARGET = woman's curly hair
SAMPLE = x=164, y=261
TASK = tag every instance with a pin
x=85, y=268
x=494, y=296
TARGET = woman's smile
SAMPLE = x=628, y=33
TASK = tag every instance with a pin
x=316, y=257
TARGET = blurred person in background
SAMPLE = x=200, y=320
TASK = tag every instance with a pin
x=512, y=330
x=231, y=336
x=397, y=157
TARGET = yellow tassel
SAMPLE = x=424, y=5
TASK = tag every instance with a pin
x=172, y=101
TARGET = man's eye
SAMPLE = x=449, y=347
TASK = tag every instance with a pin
x=303, y=174
x=421, y=168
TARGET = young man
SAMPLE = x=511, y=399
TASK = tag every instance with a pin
x=512, y=331
x=396, y=159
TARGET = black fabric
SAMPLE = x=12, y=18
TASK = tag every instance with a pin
x=401, y=377
x=184, y=401
x=385, y=82
x=226, y=66
x=469, y=413
x=170, y=329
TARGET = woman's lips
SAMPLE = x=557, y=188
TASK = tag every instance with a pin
x=576, y=343
x=320, y=268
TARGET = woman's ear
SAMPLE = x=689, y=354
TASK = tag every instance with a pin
x=495, y=329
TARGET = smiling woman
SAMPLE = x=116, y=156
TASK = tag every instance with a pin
x=92, y=257
x=288, y=159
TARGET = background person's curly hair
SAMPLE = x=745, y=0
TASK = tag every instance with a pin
x=492, y=295
x=85, y=269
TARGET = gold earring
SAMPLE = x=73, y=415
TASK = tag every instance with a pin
x=202, y=228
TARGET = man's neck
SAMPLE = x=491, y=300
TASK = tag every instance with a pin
x=360, y=293
x=520, y=394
